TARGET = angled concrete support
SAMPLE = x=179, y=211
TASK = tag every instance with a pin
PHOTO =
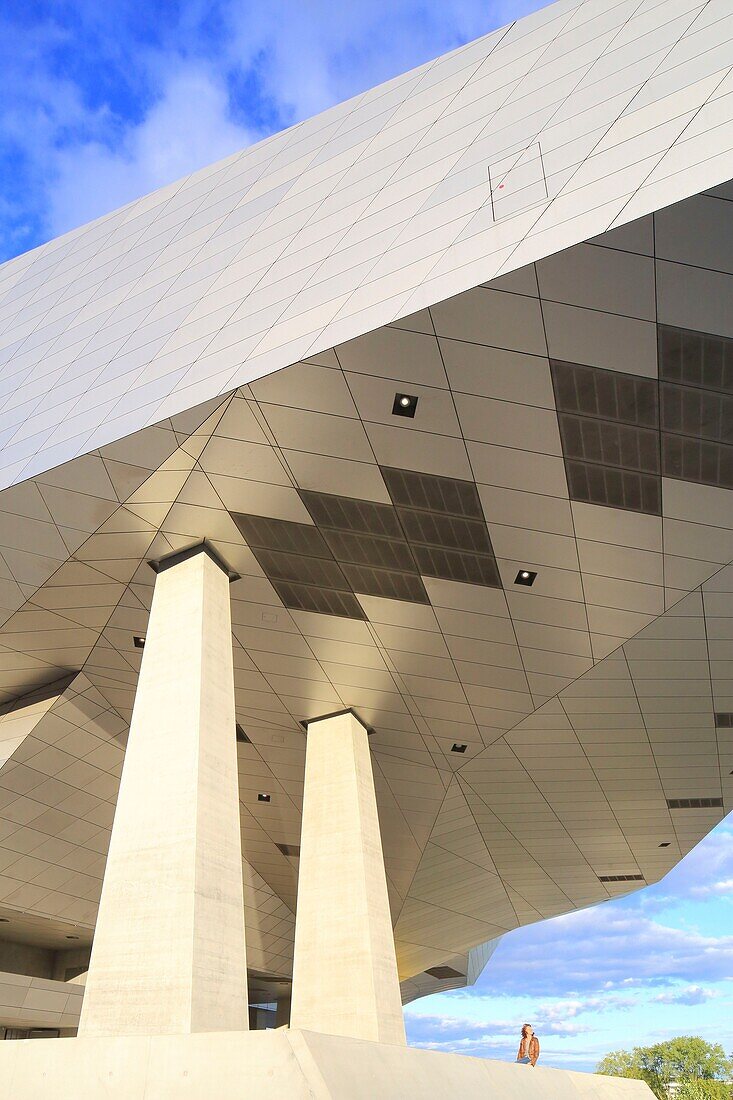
x=344, y=971
x=169, y=954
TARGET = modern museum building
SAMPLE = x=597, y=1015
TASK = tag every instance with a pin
x=366, y=529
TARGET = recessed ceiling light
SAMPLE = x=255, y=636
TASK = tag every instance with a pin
x=72, y=937
x=459, y=748
x=263, y=797
x=138, y=641
x=405, y=404
x=665, y=844
x=525, y=576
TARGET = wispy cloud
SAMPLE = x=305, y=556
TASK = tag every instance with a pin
x=605, y=948
x=692, y=995
x=105, y=102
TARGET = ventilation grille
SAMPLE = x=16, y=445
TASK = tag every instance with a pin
x=433, y=494
x=596, y=484
x=621, y=878
x=694, y=803
x=326, y=601
x=697, y=460
x=724, y=719
x=605, y=394
x=444, y=972
x=289, y=849
x=281, y=534
x=434, y=527
x=345, y=514
x=696, y=359
x=609, y=444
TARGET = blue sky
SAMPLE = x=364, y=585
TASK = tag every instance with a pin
x=630, y=972
x=103, y=102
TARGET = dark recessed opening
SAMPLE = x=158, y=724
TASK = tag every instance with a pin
x=405, y=404
x=665, y=844
x=621, y=878
x=138, y=640
x=263, y=797
x=444, y=972
x=72, y=937
x=242, y=736
x=289, y=849
x=4, y=920
x=694, y=803
x=525, y=576
x=458, y=748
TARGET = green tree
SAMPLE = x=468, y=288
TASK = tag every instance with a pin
x=703, y=1090
x=619, y=1063
x=700, y=1068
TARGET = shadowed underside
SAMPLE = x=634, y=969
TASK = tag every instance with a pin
x=221, y=362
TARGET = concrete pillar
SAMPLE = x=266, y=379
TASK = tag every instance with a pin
x=344, y=970
x=168, y=954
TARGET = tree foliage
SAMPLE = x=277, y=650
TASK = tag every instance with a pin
x=703, y=1090
x=702, y=1070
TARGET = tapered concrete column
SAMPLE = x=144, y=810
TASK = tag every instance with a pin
x=168, y=954
x=344, y=970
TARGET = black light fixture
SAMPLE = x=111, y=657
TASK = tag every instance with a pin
x=665, y=844
x=263, y=797
x=459, y=748
x=525, y=576
x=405, y=404
x=138, y=640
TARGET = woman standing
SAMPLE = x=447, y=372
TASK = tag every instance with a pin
x=529, y=1047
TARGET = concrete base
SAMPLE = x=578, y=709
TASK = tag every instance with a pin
x=279, y=1065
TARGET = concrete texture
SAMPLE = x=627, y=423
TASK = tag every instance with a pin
x=382, y=248
x=169, y=954
x=345, y=978
x=282, y=1065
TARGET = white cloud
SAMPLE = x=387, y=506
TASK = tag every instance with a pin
x=691, y=995
x=107, y=107
x=187, y=128
x=609, y=947
x=717, y=889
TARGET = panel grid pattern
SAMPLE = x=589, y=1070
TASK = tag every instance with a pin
x=572, y=420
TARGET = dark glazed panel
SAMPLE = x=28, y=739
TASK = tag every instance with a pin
x=614, y=488
x=703, y=414
x=605, y=394
x=347, y=514
x=281, y=534
x=454, y=565
x=609, y=444
x=434, y=529
x=697, y=460
x=433, y=494
x=695, y=359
